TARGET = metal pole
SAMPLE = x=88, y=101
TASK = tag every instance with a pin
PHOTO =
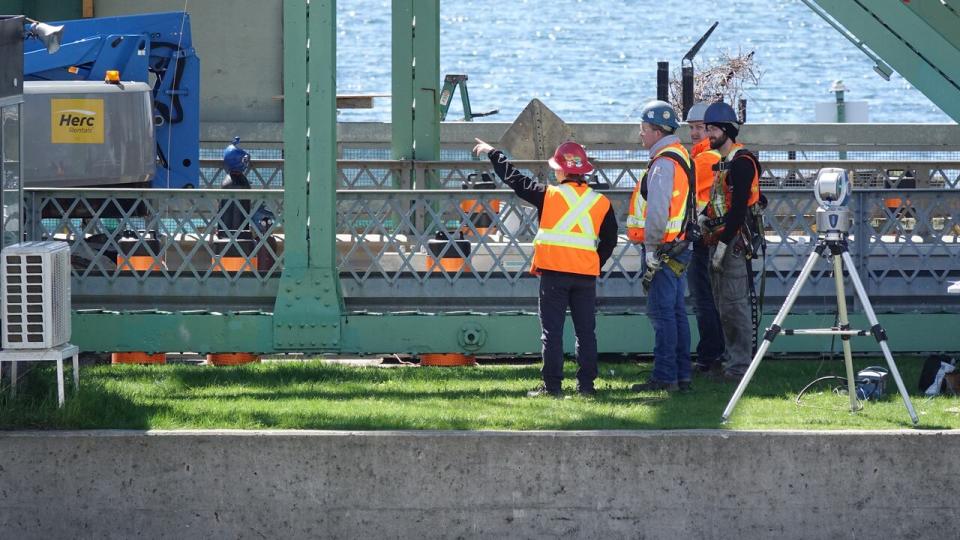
x=880, y=334
x=663, y=81
x=686, y=82
x=838, y=89
x=844, y=324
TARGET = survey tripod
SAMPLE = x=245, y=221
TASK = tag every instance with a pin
x=833, y=223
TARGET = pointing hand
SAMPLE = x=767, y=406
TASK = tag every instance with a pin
x=482, y=148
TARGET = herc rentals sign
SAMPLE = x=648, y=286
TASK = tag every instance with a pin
x=76, y=121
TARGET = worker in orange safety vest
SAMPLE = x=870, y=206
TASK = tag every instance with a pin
x=711, y=345
x=576, y=236
x=657, y=219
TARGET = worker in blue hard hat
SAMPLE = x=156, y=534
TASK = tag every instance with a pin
x=236, y=159
x=711, y=346
x=729, y=222
x=657, y=220
x=576, y=235
x=236, y=162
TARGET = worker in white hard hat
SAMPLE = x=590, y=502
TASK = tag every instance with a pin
x=711, y=345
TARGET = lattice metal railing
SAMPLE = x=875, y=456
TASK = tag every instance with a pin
x=446, y=249
x=128, y=246
x=779, y=173
x=428, y=244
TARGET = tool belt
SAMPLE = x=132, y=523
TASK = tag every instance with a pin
x=674, y=265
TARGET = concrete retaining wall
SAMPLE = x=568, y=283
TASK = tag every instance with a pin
x=291, y=484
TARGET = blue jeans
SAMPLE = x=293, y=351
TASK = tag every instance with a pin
x=668, y=315
x=711, y=346
x=557, y=291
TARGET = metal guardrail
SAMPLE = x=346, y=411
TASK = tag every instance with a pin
x=390, y=257
x=905, y=238
x=779, y=173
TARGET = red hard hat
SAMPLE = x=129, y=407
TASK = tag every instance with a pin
x=571, y=158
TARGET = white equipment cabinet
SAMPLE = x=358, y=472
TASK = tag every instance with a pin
x=36, y=308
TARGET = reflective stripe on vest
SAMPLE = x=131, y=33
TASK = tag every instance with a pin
x=705, y=176
x=578, y=214
x=637, y=219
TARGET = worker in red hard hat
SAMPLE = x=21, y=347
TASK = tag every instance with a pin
x=576, y=236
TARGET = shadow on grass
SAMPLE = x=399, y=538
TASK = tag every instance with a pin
x=94, y=407
x=313, y=395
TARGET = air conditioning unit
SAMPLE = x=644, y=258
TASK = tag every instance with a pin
x=36, y=295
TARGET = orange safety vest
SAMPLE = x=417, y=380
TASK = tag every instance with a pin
x=704, y=158
x=637, y=219
x=569, y=231
x=721, y=194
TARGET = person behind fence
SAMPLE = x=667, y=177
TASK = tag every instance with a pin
x=576, y=235
x=658, y=215
x=236, y=162
x=733, y=198
x=710, y=347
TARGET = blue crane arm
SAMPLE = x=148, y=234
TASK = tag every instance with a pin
x=154, y=48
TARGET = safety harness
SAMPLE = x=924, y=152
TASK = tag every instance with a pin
x=753, y=238
x=669, y=252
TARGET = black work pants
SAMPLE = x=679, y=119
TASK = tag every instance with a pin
x=558, y=290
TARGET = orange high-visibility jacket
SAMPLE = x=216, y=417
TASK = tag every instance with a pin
x=569, y=230
x=637, y=219
x=704, y=158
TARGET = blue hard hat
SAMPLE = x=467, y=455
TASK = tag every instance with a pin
x=660, y=113
x=236, y=159
x=720, y=113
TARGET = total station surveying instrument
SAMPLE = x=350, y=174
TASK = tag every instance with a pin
x=832, y=191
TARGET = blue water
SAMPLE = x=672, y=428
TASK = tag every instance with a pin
x=595, y=61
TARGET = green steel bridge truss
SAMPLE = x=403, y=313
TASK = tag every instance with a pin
x=347, y=266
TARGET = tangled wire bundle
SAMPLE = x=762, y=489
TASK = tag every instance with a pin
x=724, y=80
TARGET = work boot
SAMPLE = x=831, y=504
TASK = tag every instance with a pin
x=714, y=370
x=732, y=377
x=685, y=386
x=543, y=391
x=586, y=391
x=653, y=385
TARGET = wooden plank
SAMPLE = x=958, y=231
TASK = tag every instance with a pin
x=353, y=101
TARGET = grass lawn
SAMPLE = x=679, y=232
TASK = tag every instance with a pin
x=318, y=395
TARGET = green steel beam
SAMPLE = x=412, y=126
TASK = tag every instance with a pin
x=426, y=80
x=401, y=112
x=416, y=80
x=295, y=133
x=906, y=40
x=497, y=334
x=172, y=332
x=942, y=15
x=509, y=334
x=309, y=303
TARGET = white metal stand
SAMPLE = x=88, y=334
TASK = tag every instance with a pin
x=837, y=245
x=56, y=354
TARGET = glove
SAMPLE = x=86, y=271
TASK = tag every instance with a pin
x=702, y=220
x=653, y=262
x=716, y=262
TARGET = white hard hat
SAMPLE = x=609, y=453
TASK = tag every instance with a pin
x=696, y=112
